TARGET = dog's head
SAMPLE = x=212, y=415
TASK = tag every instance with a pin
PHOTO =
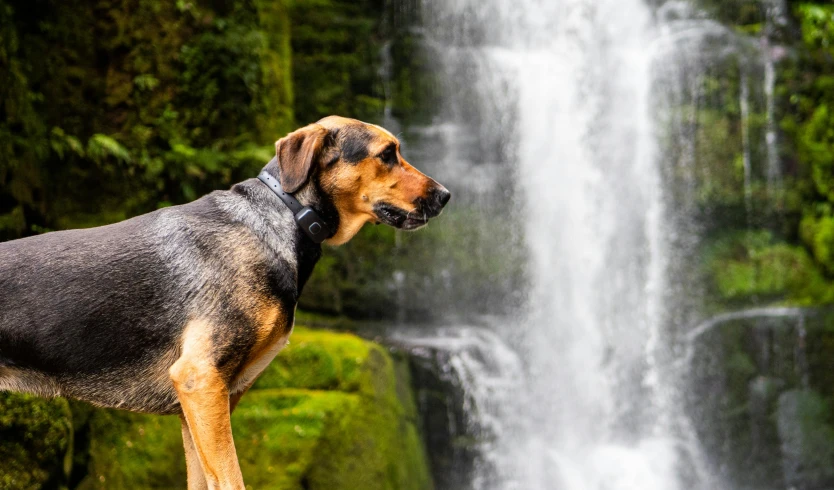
x=358, y=166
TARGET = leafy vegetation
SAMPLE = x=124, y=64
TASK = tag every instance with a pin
x=764, y=241
x=810, y=126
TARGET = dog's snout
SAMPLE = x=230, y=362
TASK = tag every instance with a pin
x=432, y=204
x=442, y=195
x=439, y=197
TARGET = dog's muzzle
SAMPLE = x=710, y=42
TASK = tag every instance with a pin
x=425, y=208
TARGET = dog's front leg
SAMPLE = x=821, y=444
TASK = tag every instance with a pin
x=204, y=398
x=196, y=478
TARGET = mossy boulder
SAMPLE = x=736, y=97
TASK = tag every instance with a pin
x=35, y=437
x=332, y=412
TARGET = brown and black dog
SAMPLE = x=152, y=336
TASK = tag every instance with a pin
x=178, y=311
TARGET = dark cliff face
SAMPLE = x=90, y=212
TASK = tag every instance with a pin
x=760, y=387
x=450, y=433
x=761, y=399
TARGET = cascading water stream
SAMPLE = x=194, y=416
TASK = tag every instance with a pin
x=775, y=18
x=567, y=101
x=744, y=104
x=565, y=86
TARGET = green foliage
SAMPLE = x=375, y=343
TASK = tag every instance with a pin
x=753, y=266
x=335, y=46
x=746, y=267
x=817, y=23
x=809, y=124
x=151, y=103
x=817, y=231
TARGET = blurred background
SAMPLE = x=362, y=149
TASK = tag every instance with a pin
x=629, y=290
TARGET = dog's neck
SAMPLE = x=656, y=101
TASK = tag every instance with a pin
x=279, y=229
x=310, y=194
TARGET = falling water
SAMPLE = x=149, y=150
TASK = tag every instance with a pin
x=565, y=86
x=775, y=16
x=557, y=111
x=744, y=104
x=774, y=174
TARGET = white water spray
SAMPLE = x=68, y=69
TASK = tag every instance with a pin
x=566, y=85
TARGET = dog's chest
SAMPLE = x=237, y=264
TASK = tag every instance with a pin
x=272, y=335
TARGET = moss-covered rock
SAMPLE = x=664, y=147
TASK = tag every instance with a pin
x=332, y=412
x=129, y=450
x=35, y=439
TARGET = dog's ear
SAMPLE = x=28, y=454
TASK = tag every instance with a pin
x=298, y=152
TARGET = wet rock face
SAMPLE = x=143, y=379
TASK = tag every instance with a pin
x=450, y=439
x=762, y=400
x=807, y=439
x=464, y=379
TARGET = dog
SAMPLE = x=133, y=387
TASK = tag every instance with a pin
x=179, y=310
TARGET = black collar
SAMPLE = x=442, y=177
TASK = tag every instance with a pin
x=305, y=217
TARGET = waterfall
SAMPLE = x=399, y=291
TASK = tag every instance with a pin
x=578, y=125
x=744, y=104
x=776, y=18
x=559, y=95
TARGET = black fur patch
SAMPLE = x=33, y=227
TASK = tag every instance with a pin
x=354, y=143
x=69, y=302
x=94, y=309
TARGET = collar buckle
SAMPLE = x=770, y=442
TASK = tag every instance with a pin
x=305, y=217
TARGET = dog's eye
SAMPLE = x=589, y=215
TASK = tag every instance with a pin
x=389, y=156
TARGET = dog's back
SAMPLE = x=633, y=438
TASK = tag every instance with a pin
x=88, y=313
x=81, y=305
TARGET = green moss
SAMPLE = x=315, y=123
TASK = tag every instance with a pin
x=331, y=412
x=129, y=450
x=35, y=439
x=278, y=433
x=317, y=360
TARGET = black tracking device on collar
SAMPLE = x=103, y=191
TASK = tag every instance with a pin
x=308, y=220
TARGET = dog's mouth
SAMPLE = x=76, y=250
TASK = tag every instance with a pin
x=399, y=218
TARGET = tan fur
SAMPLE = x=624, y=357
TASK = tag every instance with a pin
x=183, y=377
x=355, y=188
x=204, y=398
x=272, y=332
x=196, y=478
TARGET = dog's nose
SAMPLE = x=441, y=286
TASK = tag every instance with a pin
x=442, y=195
